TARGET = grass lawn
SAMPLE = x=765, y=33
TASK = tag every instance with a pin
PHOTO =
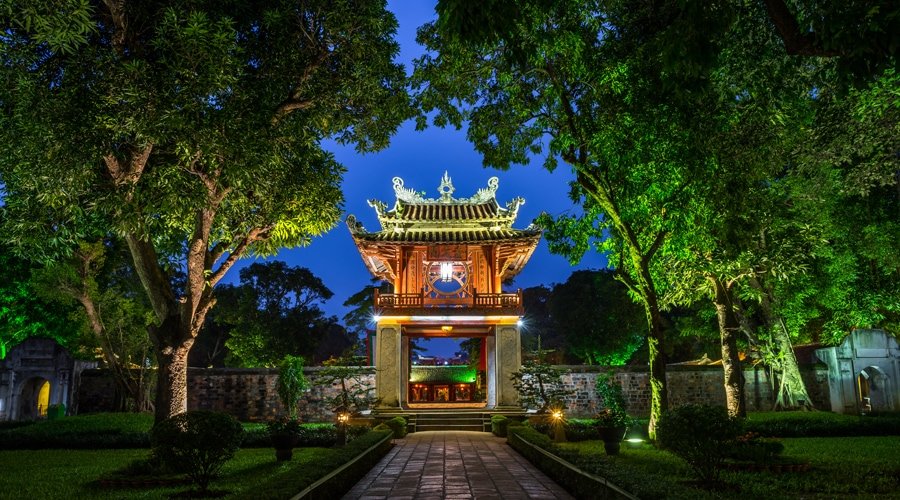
x=846, y=467
x=64, y=474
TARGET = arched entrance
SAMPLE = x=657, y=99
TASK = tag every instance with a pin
x=34, y=398
x=874, y=390
x=442, y=378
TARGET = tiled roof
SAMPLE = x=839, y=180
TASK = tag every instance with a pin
x=465, y=235
x=444, y=212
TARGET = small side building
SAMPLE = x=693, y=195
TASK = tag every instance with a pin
x=36, y=374
x=863, y=372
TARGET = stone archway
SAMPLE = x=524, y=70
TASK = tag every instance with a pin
x=34, y=398
x=874, y=390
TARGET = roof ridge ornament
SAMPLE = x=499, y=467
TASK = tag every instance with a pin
x=446, y=188
x=484, y=195
x=406, y=194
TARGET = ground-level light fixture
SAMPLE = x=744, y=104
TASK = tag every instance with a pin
x=343, y=418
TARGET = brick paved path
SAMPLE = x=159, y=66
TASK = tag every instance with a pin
x=455, y=464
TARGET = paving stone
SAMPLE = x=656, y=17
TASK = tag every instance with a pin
x=454, y=464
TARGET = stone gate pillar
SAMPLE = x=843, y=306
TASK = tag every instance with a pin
x=388, y=365
x=508, y=355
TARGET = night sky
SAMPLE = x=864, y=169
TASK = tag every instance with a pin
x=421, y=158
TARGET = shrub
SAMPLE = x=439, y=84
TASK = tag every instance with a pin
x=291, y=383
x=610, y=392
x=398, y=425
x=582, y=430
x=499, y=423
x=197, y=443
x=700, y=435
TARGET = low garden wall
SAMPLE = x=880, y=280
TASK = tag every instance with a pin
x=249, y=393
x=686, y=384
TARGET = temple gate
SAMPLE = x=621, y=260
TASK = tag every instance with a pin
x=447, y=259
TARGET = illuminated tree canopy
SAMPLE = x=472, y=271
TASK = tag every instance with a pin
x=191, y=130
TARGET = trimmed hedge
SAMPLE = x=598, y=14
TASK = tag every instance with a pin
x=578, y=484
x=398, y=425
x=97, y=431
x=498, y=425
x=301, y=475
x=821, y=424
x=310, y=435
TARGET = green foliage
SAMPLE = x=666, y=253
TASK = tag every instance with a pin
x=197, y=443
x=539, y=384
x=397, y=426
x=610, y=392
x=200, y=131
x=599, y=322
x=499, y=424
x=354, y=395
x=699, y=435
x=98, y=431
x=292, y=384
x=25, y=313
x=275, y=311
x=362, y=306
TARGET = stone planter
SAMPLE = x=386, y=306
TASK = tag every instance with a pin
x=612, y=438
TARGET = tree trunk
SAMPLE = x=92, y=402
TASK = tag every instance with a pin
x=172, y=348
x=791, y=393
x=731, y=362
x=657, y=361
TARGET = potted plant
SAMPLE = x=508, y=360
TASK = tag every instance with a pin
x=284, y=434
x=612, y=423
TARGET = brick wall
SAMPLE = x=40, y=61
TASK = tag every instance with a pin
x=686, y=384
x=249, y=393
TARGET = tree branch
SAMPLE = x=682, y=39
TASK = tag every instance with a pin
x=796, y=42
x=154, y=280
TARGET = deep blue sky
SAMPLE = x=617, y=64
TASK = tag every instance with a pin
x=421, y=158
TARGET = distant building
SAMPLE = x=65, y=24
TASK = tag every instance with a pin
x=36, y=374
x=863, y=372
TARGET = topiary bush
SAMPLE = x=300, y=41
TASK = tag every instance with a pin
x=700, y=435
x=499, y=424
x=292, y=384
x=398, y=425
x=197, y=443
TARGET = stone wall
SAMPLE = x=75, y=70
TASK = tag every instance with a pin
x=686, y=384
x=249, y=393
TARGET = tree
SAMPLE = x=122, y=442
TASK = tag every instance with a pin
x=362, y=306
x=274, y=312
x=23, y=314
x=599, y=322
x=566, y=83
x=192, y=131
x=539, y=384
x=98, y=279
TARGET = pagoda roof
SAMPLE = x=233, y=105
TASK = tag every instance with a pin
x=416, y=220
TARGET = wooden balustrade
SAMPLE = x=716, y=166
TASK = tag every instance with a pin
x=476, y=300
